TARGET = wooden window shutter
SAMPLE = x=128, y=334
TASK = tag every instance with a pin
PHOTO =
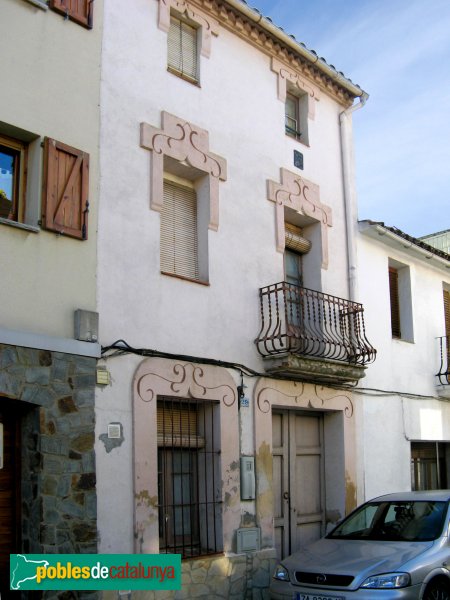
x=294, y=239
x=179, y=245
x=65, y=203
x=80, y=11
x=395, y=303
x=447, y=324
x=182, y=48
x=447, y=312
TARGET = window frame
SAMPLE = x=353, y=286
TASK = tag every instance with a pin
x=294, y=101
x=299, y=100
x=20, y=150
x=184, y=25
x=400, y=301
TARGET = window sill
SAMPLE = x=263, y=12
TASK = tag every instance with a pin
x=400, y=339
x=17, y=225
x=39, y=4
x=181, y=75
x=206, y=283
x=297, y=139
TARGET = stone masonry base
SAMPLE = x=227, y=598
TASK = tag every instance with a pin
x=235, y=577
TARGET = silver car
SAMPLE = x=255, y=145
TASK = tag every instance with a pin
x=395, y=547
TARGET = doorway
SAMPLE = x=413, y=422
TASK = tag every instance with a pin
x=10, y=475
x=298, y=479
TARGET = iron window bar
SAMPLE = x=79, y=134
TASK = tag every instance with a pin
x=444, y=368
x=189, y=496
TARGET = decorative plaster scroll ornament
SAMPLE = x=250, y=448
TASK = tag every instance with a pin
x=188, y=144
x=183, y=380
x=287, y=74
x=302, y=196
x=296, y=392
x=264, y=403
x=207, y=24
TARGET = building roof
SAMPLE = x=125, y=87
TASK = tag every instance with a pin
x=318, y=60
x=398, y=238
x=439, y=240
x=323, y=74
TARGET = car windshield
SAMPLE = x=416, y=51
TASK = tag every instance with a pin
x=412, y=521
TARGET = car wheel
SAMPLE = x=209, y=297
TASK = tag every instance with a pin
x=439, y=590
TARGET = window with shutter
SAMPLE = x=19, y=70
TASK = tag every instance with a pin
x=13, y=160
x=65, y=203
x=179, y=243
x=182, y=49
x=395, y=302
x=80, y=11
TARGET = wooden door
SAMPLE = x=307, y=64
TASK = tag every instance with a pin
x=298, y=479
x=9, y=492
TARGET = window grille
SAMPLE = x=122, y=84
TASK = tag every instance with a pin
x=428, y=465
x=189, y=481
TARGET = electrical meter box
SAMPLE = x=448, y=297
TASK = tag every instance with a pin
x=247, y=477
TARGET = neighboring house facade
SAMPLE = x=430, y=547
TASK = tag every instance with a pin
x=405, y=434
x=49, y=165
x=226, y=428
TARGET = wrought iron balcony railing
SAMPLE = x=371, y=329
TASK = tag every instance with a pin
x=310, y=323
x=444, y=369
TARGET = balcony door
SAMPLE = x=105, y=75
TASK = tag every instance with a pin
x=298, y=479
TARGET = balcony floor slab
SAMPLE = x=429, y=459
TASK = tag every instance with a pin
x=314, y=370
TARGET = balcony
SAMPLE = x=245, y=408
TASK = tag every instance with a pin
x=312, y=336
x=444, y=369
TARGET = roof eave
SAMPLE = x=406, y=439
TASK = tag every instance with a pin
x=380, y=232
x=339, y=78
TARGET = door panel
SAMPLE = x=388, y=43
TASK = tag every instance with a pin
x=298, y=480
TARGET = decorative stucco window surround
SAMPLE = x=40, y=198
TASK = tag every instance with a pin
x=287, y=75
x=303, y=197
x=188, y=145
x=340, y=465
x=208, y=25
x=160, y=377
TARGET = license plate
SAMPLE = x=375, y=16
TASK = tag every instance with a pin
x=301, y=596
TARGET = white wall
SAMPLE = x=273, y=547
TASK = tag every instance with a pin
x=402, y=404
x=50, y=87
x=237, y=104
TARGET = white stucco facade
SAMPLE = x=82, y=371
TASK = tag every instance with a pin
x=233, y=118
x=48, y=90
x=404, y=402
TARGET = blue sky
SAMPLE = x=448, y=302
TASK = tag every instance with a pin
x=399, y=52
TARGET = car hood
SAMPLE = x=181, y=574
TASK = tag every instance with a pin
x=359, y=558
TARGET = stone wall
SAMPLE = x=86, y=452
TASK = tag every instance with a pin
x=236, y=577
x=55, y=392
